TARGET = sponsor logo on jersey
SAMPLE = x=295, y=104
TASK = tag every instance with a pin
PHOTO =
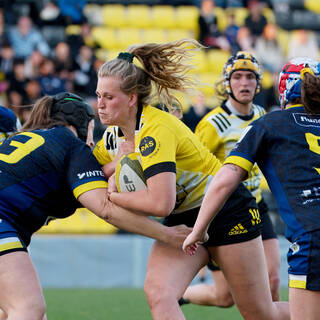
x=89, y=174
x=147, y=146
x=303, y=119
x=238, y=229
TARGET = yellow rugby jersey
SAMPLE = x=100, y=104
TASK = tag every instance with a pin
x=220, y=129
x=166, y=144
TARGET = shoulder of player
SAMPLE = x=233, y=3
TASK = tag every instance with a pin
x=258, y=110
x=218, y=119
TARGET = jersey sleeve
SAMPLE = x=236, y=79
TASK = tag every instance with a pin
x=249, y=147
x=100, y=152
x=157, y=146
x=84, y=171
x=208, y=135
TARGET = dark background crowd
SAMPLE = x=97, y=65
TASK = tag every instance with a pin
x=51, y=46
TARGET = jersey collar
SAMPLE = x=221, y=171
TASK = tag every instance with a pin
x=138, y=117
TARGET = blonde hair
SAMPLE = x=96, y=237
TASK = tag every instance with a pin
x=165, y=66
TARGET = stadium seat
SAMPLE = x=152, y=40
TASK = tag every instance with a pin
x=283, y=37
x=187, y=17
x=139, y=16
x=269, y=14
x=207, y=82
x=177, y=34
x=221, y=18
x=163, y=16
x=105, y=37
x=114, y=15
x=312, y=5
x=200, y=62
x=81, y=222
x=128, y=36
x=154, y=35
x=73, y=29
x=240, y=14
x=93, y=13
x=216, y=60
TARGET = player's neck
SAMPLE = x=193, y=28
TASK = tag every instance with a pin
x=241, y=108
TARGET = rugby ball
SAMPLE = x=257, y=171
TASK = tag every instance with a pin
x=129, y=174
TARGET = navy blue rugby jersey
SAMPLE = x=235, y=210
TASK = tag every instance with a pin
x=42, y=173
x=286, y=146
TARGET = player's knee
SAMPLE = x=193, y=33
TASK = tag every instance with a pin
x=274, y=280
x=224, y=300
x=32, y=311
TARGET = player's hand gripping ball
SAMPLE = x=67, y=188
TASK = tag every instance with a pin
x=129, y=174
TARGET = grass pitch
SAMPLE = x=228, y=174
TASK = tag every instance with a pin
x=120, y=303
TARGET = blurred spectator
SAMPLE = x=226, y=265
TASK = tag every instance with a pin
x=85, y=37
x=231, y=32
x=196, y=112
x=85, y=74
x=32, y=64
x=6, y=59
x=18, y=81
x=3, y=34
x=99, y=128
x=209, y=35
x=33, y=91
x=255, y=21
x=64, y=64
x=50, y=83
x=244, y=40
x=51, y=15
x=72, y=10
x=303, y=43
x=268, y=50
x=24, y=38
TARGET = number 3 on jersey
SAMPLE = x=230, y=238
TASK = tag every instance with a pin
x=22, y=149
x=314, y=146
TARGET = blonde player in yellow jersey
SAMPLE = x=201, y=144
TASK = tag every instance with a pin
x=219, y=130
x=178, y=169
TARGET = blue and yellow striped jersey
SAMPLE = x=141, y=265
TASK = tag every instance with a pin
x=286, y=146
x=42, y=172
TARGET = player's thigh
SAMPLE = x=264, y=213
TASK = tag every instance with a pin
x=171, y=270
x=304, y=304
x=244, y=267
x=19, y=282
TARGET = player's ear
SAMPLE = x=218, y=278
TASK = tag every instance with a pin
x=133, y=99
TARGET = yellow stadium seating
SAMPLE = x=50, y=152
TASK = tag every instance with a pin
x=187, y=17
x=269, y=14
x=312, y=5
x=240, y=14
x=177, y=34
x=105, y=37
x=93, y=13
x=139, y=16
x=114, y=15
x=163, y=16
x=216, y=60
x=73, y=29
x=207, y=81
x=154, y=35
x=128, y=36
x=283, y=37
x=200, y=62
x=81, y=222
x=221, y=18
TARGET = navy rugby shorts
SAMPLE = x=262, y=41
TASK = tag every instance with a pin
x=237, y=221
x=10, y=240
x=304, y=261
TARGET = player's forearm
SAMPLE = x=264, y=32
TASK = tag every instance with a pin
x=144, y=202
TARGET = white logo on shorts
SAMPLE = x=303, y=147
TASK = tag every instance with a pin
x=294, y=247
